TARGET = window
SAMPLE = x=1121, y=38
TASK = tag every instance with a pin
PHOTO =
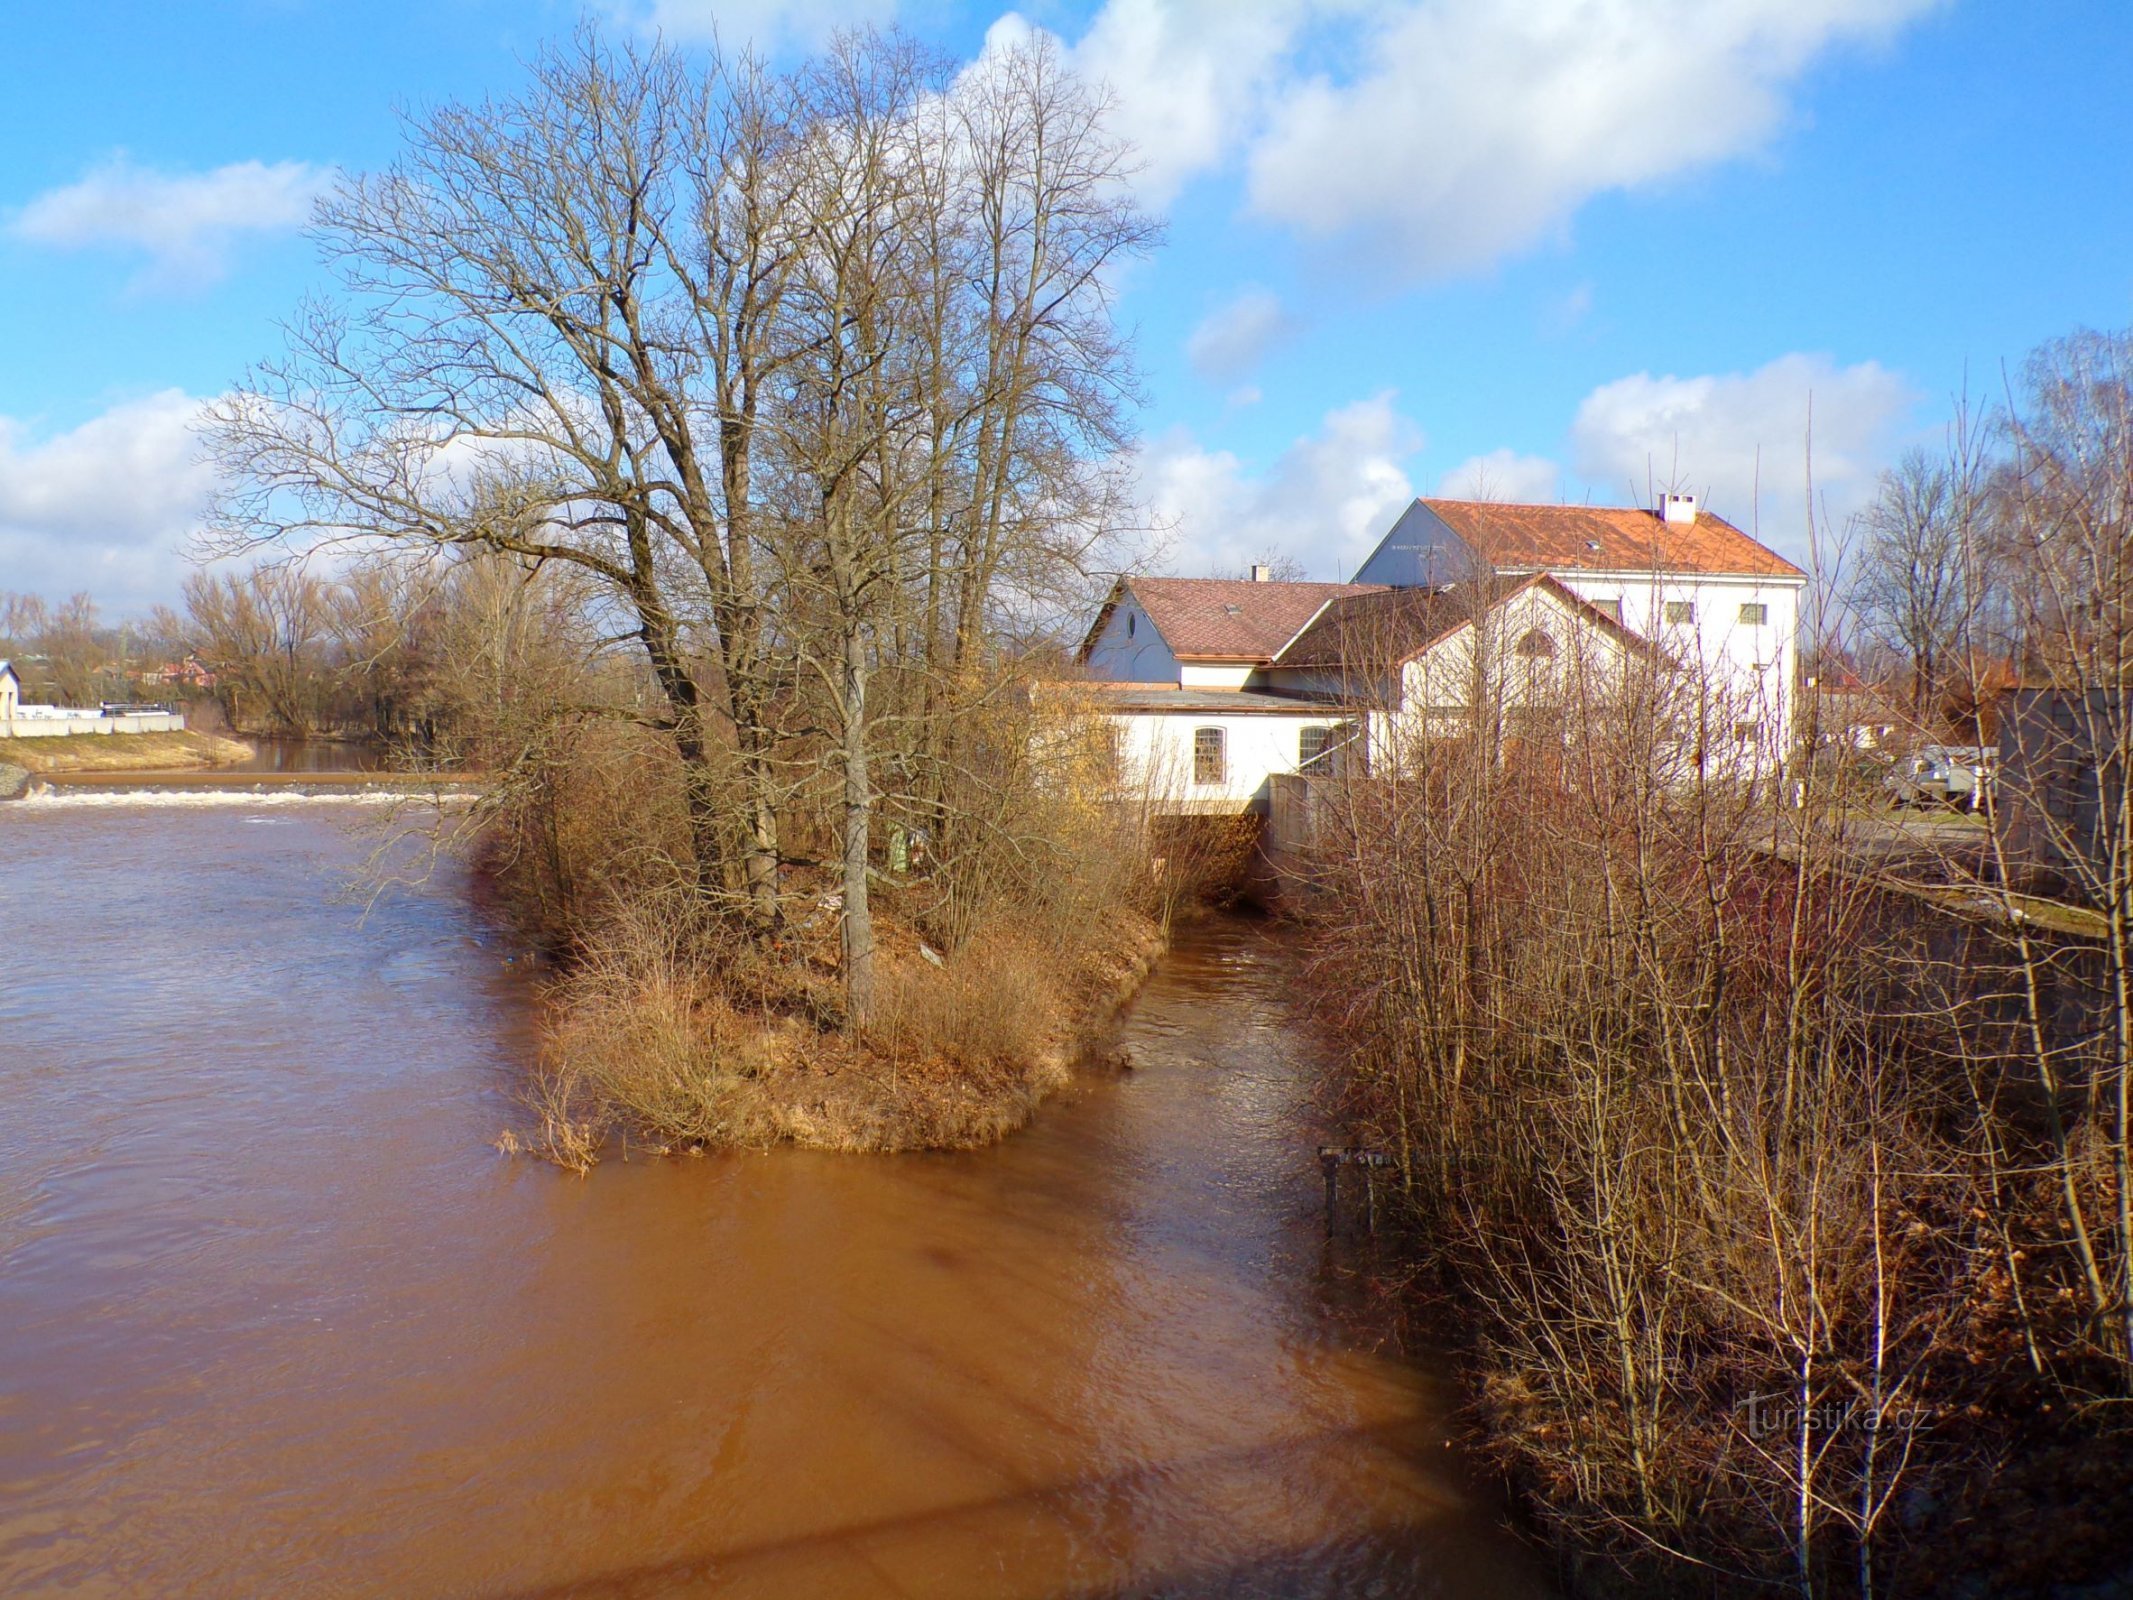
x=1210, y=756
x=1754, y=613
x=1130, y=621
x=1610, y=609
x=1681, y=611
x=1311, y=744
x=1537, y=646
x=1744, y=732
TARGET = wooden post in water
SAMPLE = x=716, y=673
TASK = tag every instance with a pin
x=1331, y=1158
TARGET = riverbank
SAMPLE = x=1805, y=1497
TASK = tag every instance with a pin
x=124, y=752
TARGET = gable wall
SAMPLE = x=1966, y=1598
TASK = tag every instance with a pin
x=1420, y=550
x=1131, y=650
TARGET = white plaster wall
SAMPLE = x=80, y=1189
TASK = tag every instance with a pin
x=1155, y=750
x=1215, y=675
x=1130, y=650
x=1747, y=668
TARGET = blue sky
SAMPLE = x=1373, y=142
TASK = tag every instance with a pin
x=1535, y=249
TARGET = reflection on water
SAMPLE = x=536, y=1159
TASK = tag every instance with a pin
x=274, y=1317
x=270, y=754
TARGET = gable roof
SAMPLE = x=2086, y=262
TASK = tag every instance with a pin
x=1380, y=627
x=1606, y=539
x=1388, y=626
x=1224, y=619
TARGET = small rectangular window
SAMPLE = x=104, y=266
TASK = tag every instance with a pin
x=1210, y=756
x=1744, y=732
x=1609, y=608
x=1310, y=745
x=1754, y=613
x=1681, y=611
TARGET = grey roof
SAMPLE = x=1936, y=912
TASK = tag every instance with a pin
x=1219, y=702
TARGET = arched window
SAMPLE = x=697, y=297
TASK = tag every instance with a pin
x=1537, y=645
x=1210, y=756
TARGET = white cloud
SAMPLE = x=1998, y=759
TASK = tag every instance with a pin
x=1326, y=502
x=1235, y=336
x=105, y=506
x=1472, y=129
x=1440, y=136
x=184, y=222
x=1187, y=77
x=765, y=24
x=1740, y=439
x=1505, y=476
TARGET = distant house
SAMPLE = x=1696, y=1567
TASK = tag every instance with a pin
x=10, y=691
x=190, y=673
x=1845, y=712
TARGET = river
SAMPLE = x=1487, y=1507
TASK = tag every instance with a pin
x=277, y=1319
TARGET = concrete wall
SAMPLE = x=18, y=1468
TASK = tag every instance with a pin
x=47, y=722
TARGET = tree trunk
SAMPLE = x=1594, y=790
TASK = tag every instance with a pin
x=858, y=817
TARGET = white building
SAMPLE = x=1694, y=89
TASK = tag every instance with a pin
x=1217, y=686
x=1249, y=694
x=1179, y=664
x=10, y=692
x=1723, y=606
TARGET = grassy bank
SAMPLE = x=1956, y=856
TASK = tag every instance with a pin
x=650, y=1043
x=123, y=752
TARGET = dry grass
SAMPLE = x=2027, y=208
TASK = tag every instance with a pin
x=123, y=752
x=656, y=1042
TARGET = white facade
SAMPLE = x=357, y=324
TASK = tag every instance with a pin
x=1738, y=639
x=10, y=692
x=1734, y=633
x=1159, y=753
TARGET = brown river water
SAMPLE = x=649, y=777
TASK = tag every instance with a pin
x=276, y=1318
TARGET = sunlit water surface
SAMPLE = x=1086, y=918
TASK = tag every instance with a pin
x=276, y=1319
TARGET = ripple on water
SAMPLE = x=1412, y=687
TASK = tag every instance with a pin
x=275, y=1317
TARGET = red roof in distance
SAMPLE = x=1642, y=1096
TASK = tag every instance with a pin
x=1606, y=539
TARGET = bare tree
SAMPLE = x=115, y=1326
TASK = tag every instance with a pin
x=1921, y=574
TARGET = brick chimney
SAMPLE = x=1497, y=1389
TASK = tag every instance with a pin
x=1678, y=510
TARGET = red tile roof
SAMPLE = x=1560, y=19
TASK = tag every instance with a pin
x=1606, y=539
x=1381, y=627
x=1229, y=619
x=1389, y=626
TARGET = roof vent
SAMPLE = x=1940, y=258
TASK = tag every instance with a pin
x=1677, y=510
x=1262, y=573
x=1233, y=611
